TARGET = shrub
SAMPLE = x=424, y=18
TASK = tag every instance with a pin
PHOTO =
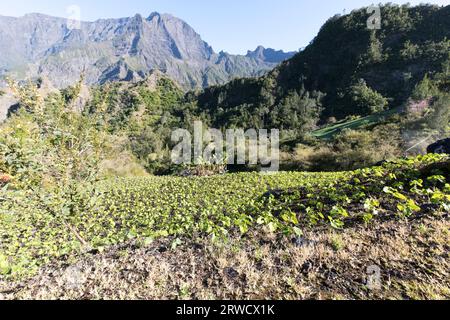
x=122, y=165
x=350, y=150
x=366, y=100
x=424, y=90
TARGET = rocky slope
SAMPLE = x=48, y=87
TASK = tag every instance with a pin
x=121, y=49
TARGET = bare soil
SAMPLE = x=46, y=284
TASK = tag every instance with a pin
x=394, y=259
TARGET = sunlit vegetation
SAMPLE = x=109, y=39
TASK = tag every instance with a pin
x=231, y=205
x=76, y=182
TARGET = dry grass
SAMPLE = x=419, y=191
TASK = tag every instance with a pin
x=325, y=264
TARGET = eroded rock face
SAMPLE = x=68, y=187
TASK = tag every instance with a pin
x=6, y=102
x=120, y=49
x=441, y=146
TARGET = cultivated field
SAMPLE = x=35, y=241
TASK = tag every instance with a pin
x=239, y=236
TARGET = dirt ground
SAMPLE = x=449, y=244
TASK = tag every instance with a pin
x=388, y=260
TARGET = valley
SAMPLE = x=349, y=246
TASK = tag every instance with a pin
x=93, y=205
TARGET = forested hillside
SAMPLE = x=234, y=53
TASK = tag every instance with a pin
x=352, y=98
x=347, y=70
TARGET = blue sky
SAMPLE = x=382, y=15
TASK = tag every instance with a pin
x=230, y=25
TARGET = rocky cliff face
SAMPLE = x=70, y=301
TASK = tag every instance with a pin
x=6, y=101
x=121, y=49
x=269, y=55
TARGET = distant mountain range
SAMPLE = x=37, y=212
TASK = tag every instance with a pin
x=38, y=45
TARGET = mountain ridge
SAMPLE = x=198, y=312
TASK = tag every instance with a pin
x=41, y=45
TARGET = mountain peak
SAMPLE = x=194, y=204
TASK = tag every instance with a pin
x=153, y=15
x=37, y=15
x=270, y=55
x=121, y=49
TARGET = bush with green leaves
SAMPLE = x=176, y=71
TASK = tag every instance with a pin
x=52, y=154
x=365, y=100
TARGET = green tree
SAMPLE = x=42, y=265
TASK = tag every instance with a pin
x=375, y=53
x=365, y=100
x=426, y=89
x=439, y=118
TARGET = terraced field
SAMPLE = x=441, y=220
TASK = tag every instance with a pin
x=148, y=208
x=233, y=208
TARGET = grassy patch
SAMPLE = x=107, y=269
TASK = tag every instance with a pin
x=329, y=132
